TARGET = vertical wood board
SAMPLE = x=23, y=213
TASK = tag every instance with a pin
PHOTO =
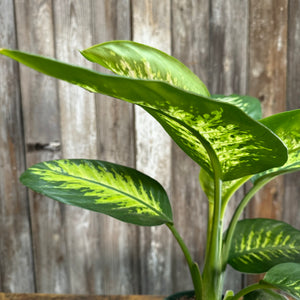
x=190, y=44
x=15, y=238
x=42, y=137
x=151, y=22
x=118, y=266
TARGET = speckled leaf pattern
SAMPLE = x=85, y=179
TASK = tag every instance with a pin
x=136, y=60
x=120, y=192
x=285, y=277
x=264, y=295
x=201, y=126
x=287, y=126
x=260, y=244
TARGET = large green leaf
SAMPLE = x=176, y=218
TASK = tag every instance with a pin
x=250, y=105
x=287, y=126
x=197, y=124
x=136, y=60
x=118, y=191
x=264, y=295
x=285, y=277
x=259, y=244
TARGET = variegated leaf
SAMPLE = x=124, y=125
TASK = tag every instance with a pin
x=201, y=126
x=285, y=277
x=287, y=126
x=136, y=60
x=260, y=244
x=264, y=295
x=250, y=105
x=118, y=191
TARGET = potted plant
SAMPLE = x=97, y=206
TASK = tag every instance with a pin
x=225, y=135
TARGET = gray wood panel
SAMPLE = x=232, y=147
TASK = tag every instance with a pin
x=190, y=35
x=118, y=265
x=151, y=24
x=42, y=137
x=291, y=204
x=78, y=132
x=15, y=239
x=228, y=74
x=267, y=81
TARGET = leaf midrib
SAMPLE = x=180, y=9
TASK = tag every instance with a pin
x=112, y=188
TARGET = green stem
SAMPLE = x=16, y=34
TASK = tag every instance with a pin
x=194, y=269
x=251, y=288
x=209, y=229
x=212, y=274
x=236, y=216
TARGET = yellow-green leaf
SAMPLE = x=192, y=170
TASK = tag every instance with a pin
x=136, y=60
x=287, y=126
x=204, y=128
x=118, y=191
x=260, y=244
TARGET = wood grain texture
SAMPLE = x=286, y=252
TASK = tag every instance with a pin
x=78, y=131
x=228, y=74
x=291, y=204
x=118, y=266
x=15, y=237
x=267, y=81
x=190, y=35
x=41, y=116
x=151, y=25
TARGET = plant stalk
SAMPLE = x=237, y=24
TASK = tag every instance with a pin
x=194, y=269
x=212, y=274
x=251, y=288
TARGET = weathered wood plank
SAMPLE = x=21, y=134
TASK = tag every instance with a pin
x=228, y=65
x=42, y=137
x=78, y=133
x=118, y=266
x=15, y=238
x=190, y=43
x=151, y=25
x=291, y=204
x=267, y=81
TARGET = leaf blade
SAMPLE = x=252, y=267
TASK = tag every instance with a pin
x=260, y=244
x=285, y=277
x=118, y=191
x=242, y=145
x=264, y=295
x=250, y=105
x=131, y=59
x=287, y=126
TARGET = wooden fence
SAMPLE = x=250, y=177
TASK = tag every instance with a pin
x=235, y=46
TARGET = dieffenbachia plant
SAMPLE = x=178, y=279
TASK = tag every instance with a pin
x=225, y=135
